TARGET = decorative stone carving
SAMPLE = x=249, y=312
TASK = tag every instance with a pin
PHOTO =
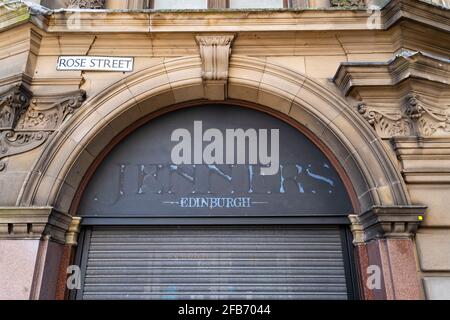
x=26, y=125
x=387, y=122
x=398, y=222
x=215, y=53
x=87, y=4
x=12, y=143
x=347, y=3
x=13, y=104
x=415, y=119
x=49, y=112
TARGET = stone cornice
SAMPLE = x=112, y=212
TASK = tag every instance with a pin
x=33, y=223
x=62, y=20
x=424, y=160
x=417, y=10
x=12, y=14
x=415, y=99
x=387, y=222
x=417, y=65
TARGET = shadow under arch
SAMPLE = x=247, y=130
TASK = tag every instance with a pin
x=350, y=143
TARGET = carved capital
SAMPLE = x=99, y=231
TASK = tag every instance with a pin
x=386, y=122
x=87, y=4
x=414, y=119
x=215, y=53
x=396, y=222
x=425, y=120
x=49, y=112
x=13, y=104
x=73, y=231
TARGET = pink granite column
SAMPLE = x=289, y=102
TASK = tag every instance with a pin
x=47, y=270
x=383, y=239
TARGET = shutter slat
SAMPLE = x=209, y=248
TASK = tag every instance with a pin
x=227, y=262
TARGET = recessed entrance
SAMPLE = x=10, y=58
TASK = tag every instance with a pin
x=215, y=262
x=155, y=229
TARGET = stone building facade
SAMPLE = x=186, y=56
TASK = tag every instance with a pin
x=368, y=81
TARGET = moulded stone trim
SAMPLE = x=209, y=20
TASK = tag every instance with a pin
x=189, y=91
x=269, y=98
x=393, y=222
x=374, y=167
x=119, y=95
x=424, y=160
x=407, y=64
x=420, y=11
x=33, y=223
x=65, y=197
x=228, y=21
x=242, y=90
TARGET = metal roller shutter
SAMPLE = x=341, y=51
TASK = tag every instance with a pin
x=214, y=262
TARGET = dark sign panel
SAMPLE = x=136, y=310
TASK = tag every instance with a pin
x=215, y=160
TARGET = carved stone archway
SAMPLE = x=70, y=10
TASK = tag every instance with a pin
x=74, y=146
x=383, y=208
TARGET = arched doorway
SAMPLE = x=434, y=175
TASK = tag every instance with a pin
x=380, y=196
x=169, y=214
